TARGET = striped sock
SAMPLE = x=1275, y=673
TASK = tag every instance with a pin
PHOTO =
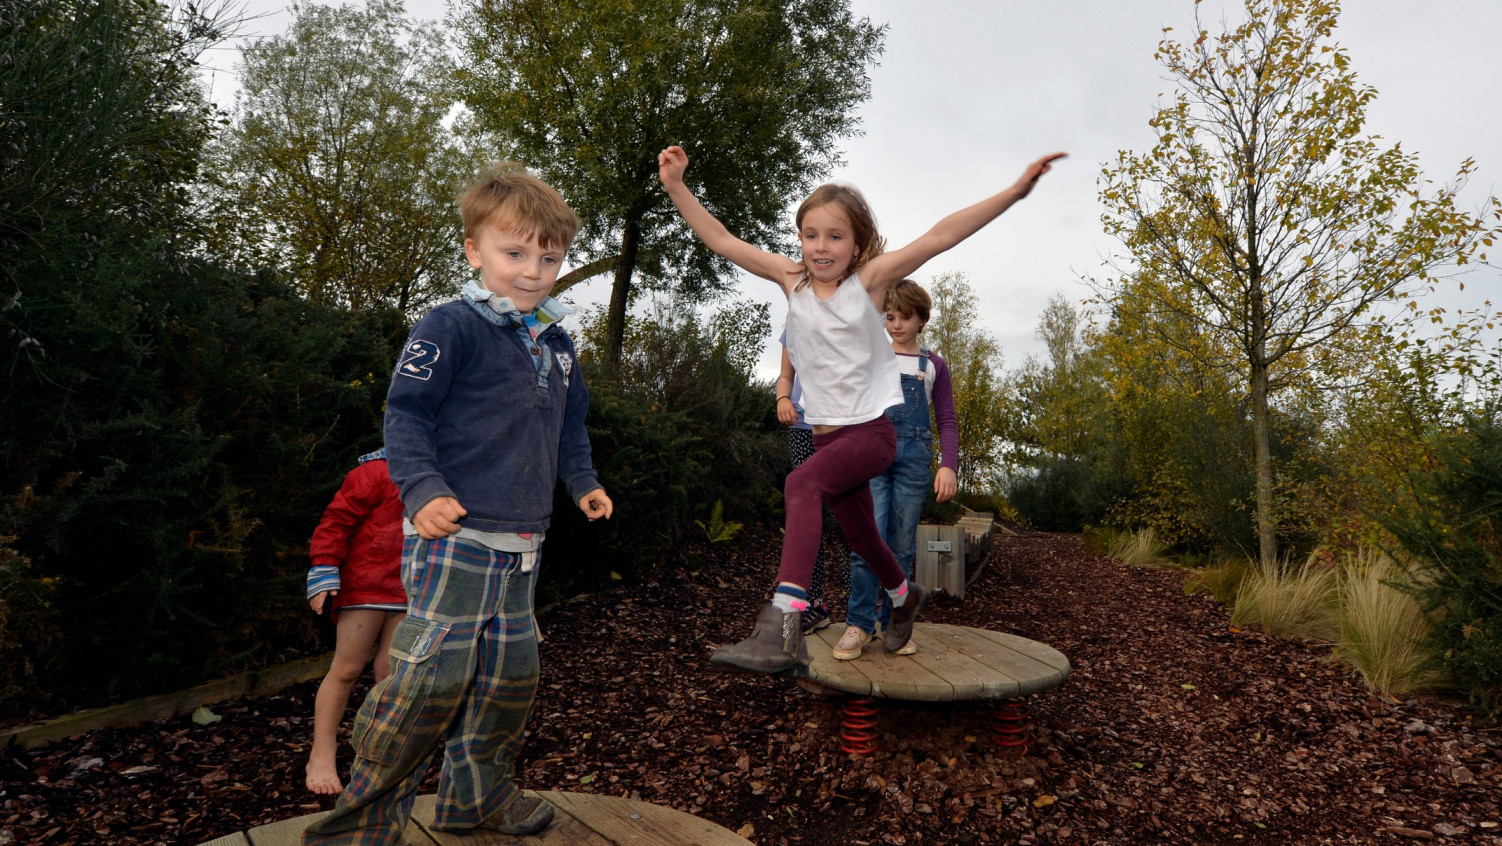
x=898, y=595
x=788, y=599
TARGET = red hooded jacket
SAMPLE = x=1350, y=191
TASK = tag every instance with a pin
x=361, y=534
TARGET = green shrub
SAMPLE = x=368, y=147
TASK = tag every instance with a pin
x=28, y=627
x=1099, y=539
x=1057, y=496
x=1382, y=627
x=1290, y=600
x=170, y=429
x=683, y=426
x=648, y=462
x=189, y=454
x=1451, y=537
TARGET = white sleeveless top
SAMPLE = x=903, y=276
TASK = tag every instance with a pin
x=844, y=360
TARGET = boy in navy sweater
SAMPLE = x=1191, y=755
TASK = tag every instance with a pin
x=485, y=415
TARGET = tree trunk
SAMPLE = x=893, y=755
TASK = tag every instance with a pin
x=1267, y=537
x=620, y=295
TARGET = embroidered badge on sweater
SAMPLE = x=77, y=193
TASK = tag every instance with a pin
x=418, y=359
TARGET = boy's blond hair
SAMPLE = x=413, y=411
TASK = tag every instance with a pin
x=908, y=298
x=516, y=201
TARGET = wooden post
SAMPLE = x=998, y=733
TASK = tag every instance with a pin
x=940, y=560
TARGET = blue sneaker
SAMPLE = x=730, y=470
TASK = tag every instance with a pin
x=815, y=617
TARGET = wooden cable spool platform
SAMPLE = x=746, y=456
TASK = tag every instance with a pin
x=953, y=663
x=581, y=819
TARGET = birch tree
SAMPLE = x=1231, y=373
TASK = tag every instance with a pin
x=1265, y=218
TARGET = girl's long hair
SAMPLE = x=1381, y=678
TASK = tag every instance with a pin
x=868, y=242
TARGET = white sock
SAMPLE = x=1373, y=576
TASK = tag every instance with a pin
x=898, y=595
x=787, y=602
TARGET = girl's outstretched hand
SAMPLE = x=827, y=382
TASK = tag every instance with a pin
x=671, y=163
x=1034, y=172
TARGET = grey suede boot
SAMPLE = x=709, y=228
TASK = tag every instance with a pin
x=900, y=630
x=775, y=646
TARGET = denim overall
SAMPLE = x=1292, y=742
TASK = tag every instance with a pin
x=898, y=496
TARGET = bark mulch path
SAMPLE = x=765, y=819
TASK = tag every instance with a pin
x=1173, y=728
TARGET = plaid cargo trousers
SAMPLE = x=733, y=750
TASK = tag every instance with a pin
x=464, y=673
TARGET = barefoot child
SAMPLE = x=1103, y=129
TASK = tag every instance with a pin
x=484, y=418
x=898, y=493
x=357, y=575
x=849, y=376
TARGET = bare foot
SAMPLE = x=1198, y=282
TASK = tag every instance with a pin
x=323, y=777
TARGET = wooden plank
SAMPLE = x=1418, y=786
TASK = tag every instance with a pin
x=926, y=563
x=952, y=568
x=166, y=706
x=953, y=662
x=1033, y=675
x=289, y=833
x=236, y=839
x=1040, y=652
x=564, y=830
x=827, y=672
x=936, y=569
x=903, y=676
x=876, y=672
x=1000, y=652
x=626, y=823
x=970, y=677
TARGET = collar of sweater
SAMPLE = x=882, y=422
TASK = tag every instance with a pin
x=503, y=311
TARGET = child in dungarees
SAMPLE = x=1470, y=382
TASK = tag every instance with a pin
x=484, y=419
x=849, y=375
x=898, y=494
x=357, y=575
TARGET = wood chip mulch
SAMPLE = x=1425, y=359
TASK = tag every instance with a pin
x=1173, y=728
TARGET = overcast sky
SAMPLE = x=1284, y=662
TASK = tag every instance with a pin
x=968, y=92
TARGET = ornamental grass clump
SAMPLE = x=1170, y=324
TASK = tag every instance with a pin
x=1222, y=579
x=1382, y=626
x=1290, y=600
x=1139, y=549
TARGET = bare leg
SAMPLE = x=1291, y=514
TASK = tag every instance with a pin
x=381, y=663
x=356, y=636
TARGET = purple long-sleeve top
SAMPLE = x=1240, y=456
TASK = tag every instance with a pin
x=940, y=390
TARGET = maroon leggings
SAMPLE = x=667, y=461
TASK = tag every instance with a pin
x=839, y=473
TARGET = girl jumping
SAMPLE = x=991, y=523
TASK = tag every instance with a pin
x=838, y=345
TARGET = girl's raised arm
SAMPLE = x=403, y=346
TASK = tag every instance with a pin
x=671, y=163
x=897, y=264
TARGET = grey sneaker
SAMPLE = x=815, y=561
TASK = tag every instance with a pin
x=527, y=815
x=900, y=630
x=775, y=646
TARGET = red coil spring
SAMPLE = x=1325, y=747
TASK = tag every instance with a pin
x=858, y=734
x=1011, y=725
